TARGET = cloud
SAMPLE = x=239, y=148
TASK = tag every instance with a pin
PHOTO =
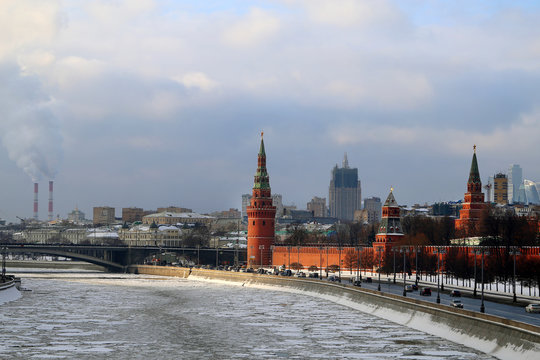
x=197, y=80
x=256, y=27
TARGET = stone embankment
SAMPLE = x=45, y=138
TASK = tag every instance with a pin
x=502, y=338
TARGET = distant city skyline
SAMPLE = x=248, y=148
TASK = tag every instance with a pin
x=157, y=103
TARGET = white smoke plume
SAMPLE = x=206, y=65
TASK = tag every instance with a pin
x=28, y=128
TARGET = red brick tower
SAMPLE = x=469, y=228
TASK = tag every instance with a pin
x=470, y=213
x=390, y=228
x=261, y=216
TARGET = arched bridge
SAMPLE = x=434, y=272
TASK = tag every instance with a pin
x=117, y=258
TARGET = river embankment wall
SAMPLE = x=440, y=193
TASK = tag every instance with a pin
x=502, y=338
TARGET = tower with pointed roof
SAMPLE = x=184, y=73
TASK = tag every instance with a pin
x=390, y=227
x=473, y=204
x=345, y=194
x=261, y=216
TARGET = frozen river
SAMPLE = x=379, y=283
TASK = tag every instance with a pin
x=96, y=316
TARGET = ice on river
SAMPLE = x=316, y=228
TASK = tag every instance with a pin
x=135, y=316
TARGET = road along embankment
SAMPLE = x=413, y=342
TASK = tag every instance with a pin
x=502, y=338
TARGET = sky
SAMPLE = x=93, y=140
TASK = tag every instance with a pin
x=155, y=103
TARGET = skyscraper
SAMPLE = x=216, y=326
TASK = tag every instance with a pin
x=500, y=189
x=515, y=178
x=345, y=195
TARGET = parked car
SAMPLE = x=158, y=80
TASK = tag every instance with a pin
x=456, y=304
x=300, y=274
x=425, y=291
x=368, y=280
x=314, y=275
x=414, y=287
x=532, y=308
x=357, y=282
x=455, y=293
x=408, y=288
x=261, y=271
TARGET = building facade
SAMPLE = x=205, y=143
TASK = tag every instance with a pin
x=373, y=207
x=515, y=178
x=132, y=214
x=317, y=206
x=103, y=215
x=473, y=205
x=500, y=189
x=261, y=216
x=345, y=195
x=170, y=218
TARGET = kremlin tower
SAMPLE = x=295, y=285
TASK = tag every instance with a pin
x=470, y=213
x=390, y=228
x=261, y=216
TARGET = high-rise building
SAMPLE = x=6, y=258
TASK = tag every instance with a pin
x=132, y=214
x=473, y=204
x=103, y=215
x=515, y=178
x=261, y=216
x=500, y=188
x=373, y=208
x=317, y=206
x=527, y=194
x=345, y=195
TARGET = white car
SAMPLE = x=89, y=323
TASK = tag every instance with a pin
x=300, y=274
x=533, y=308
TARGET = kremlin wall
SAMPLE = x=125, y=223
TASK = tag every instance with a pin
x=263, y=251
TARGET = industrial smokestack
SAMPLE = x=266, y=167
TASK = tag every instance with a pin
x=35, y=201
x=50, y=200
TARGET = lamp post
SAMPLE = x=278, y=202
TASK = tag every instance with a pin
x=289, y=248
x=514, y=252
x=379, y=250
x=359, y=264
x=261, y=247
x=474, y=291
x=320, y=262
x=198, y=257
x=339, y=265
x=438, y=251
x=417, y=250
x=482, y=307
x=272, y=247
x=298, y=258
x=404, y=251
x=394, y=250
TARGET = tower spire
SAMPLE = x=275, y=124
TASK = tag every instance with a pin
x=474, y=174
x=345, y=164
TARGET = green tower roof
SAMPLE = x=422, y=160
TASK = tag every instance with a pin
x=474, y=175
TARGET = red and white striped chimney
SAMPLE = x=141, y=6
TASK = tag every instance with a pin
x=50, y=200
x=35, y=201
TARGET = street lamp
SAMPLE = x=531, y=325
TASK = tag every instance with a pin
x=404, y=251
x=320, y=262
x=272, y=247
x=298, y=258
x=358, y=263
x=379, y=250
x=474, y=291
x=261, y=247
x=417, y=250
x=394, y=250
x=514, y=252
x=289, y=248
x=482, y=307
x=438, y=251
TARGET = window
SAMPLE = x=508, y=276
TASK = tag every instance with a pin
x=264, y=223
x=253, y=222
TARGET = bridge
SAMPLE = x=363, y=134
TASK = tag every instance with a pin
x=116, y=258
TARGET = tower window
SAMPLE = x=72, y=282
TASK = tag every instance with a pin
x=253, y=222
x=264, y=223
